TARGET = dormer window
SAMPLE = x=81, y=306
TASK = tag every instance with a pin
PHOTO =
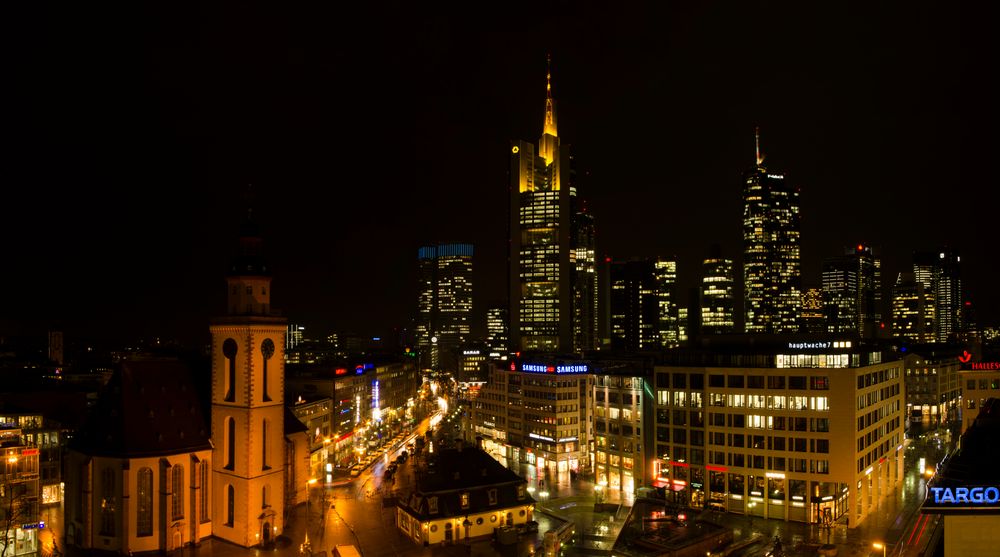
x=465, y=500
x=432, y=505
x=520, y=492
x=493, y=496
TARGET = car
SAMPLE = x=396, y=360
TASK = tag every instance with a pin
x=531, y=526
x=355, y=471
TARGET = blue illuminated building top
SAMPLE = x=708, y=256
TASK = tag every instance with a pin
x=445, y=250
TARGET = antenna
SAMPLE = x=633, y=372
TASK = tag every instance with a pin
x=756, y=144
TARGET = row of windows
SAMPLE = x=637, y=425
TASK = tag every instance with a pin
x=994, y=384
x=696, y=381
x=877, y=377
x=794, y=444
x=877, y=396
x=145, y=498
x=740, y=421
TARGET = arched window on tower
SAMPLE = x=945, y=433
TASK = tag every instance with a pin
x=265, y=497
x=265, y=464
x=144, y=507
x=229, y=349
x=266, y=350
x=230, y=444
x=177, y=489
x=206, y=493
x=230, y=505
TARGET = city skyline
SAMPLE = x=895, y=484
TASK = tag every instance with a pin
x=142, y=207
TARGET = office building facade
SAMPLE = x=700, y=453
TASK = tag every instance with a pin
x=444, y=305
x=665, y=276
x=913, y=310
x=623, y=415
x=852, y=292
x=635, y=306
x=771, y=251
x=933, y=391
x=766, y=432
x=553, y=286
x=718, y=296
x=537, y=411
x=812, y=317
x=497, y=327
x=939, y=272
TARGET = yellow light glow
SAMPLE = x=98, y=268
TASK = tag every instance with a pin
x=311, y=481
x=877, y=545
x=515, y=149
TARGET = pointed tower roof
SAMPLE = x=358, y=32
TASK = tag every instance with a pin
x=249, y=260
x=550, y=109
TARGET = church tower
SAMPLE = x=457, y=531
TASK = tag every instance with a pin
x=248, y=378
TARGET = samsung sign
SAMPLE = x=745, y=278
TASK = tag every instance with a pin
x=965, y=495
x=561, y=368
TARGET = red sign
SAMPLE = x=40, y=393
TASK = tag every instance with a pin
x=29, y=452
x=965, y=357
x=716, y=468
x=984, y=366
x=341, y=370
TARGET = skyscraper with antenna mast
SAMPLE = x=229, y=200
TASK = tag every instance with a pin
x=771, y=250
x=552, y=266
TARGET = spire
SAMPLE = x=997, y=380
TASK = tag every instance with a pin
x=550, y=110
x=756, y=143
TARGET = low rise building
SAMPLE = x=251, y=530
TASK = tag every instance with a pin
x=932, y=383
x=462, y=494
x=979, y=382
x=19, y=493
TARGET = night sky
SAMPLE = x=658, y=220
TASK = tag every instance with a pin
x=131, y=133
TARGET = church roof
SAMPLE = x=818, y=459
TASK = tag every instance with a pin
x=148, y=408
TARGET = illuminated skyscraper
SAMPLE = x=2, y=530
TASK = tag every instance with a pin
x=444, y=306
x=771, y=251
x=553, y=286
x=812, y=318
x=497, y=337
x=718, y=309
x=912, y=310
x=665, y=277
x=635, y=306
x=938, y=271
x=852, y=292
x=584, y=283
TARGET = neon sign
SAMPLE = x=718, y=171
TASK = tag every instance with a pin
x=561, y=368
x=984, y=366
x=975, y=495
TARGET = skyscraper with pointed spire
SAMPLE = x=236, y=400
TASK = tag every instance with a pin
x=771, y=250
x=552, y=268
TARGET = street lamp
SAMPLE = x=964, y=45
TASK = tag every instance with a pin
x=306, y=546
x=879, y=545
